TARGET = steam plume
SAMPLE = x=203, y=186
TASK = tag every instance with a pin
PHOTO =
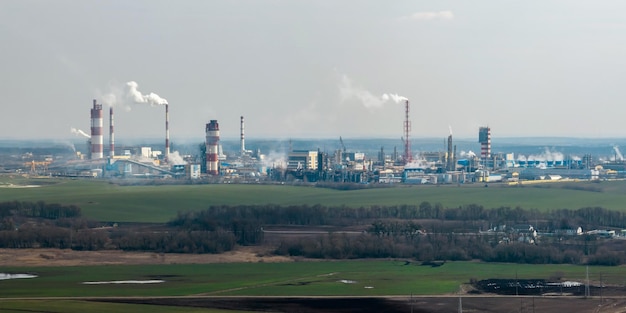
x=79, y=132
x=618, y=154
x=152, y=98
x=396, y=98
x=347, y=92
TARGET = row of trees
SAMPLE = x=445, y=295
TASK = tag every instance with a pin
x=451, y=247
x=38, y=209
x=424, y=232
x=590, y=217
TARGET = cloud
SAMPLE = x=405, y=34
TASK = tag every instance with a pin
x=430, y=16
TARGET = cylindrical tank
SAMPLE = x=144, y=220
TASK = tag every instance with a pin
x=212, y=141
x=97, y=140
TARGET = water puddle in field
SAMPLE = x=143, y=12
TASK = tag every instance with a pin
x=153, y=281
x=5, y=276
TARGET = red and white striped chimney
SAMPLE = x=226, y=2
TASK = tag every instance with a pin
x=96, y=131
x=212, y=141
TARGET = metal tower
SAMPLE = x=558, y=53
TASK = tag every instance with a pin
x=407, y=129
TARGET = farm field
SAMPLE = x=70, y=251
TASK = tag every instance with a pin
x=329, y=278
x=103, y=201
x=336, y=286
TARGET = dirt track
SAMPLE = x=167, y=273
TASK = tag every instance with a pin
x=57, y=257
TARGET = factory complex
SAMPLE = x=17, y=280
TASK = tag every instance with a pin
x=209, y=162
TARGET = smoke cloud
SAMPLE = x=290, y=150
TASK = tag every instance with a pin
x=176, y=159
x=347, y=91
x=136, y=96
x=79, y=132
x=618, y=154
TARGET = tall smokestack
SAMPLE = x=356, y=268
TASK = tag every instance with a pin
x=484, y=138
x=243, y=142
x=96, y=131
x=212, y=141
x=111, y=133
x=408, y=157
x=167, y=132
x=450, y=158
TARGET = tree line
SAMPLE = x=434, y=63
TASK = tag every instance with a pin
x=423, y=232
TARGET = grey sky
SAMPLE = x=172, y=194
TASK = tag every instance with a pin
x=316, y=68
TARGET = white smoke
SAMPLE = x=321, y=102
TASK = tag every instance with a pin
x=79, y=132
x=275, y=159
x=347, y=91
x=175, y=159
x=396, y=98
x=136, y=96
x=618, y=154
x=468, y=154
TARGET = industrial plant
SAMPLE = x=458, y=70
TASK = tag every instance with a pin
x=210, y=162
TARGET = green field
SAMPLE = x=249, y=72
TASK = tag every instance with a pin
x=282, y=279
x=108, y=202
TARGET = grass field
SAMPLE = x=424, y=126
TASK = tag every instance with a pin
x=282, y=279
x=108, y=202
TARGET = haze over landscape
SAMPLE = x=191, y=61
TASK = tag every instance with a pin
x=315, y=69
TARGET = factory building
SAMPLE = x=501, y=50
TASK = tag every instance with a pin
x=302, y=159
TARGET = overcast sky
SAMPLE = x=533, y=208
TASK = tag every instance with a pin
x=316, y=69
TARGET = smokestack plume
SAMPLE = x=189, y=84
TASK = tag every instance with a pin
x=167, y=132
x=243, y=143
x=152, y=98
x=79, y=132
x=96, y=131
x=111, y=133
x=212, y=140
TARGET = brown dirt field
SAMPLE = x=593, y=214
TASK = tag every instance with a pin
x=66, y=257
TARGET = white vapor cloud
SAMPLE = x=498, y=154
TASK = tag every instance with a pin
x=347, y=91
x=79, y=132
x=152, y=98
x=429, y=16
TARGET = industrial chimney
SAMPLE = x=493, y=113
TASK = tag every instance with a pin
x=243, y=142
x=167, y=132
x=484, y=138
x=96, y=132
x=212, y=141
x=111, y=133
x=408, y=156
